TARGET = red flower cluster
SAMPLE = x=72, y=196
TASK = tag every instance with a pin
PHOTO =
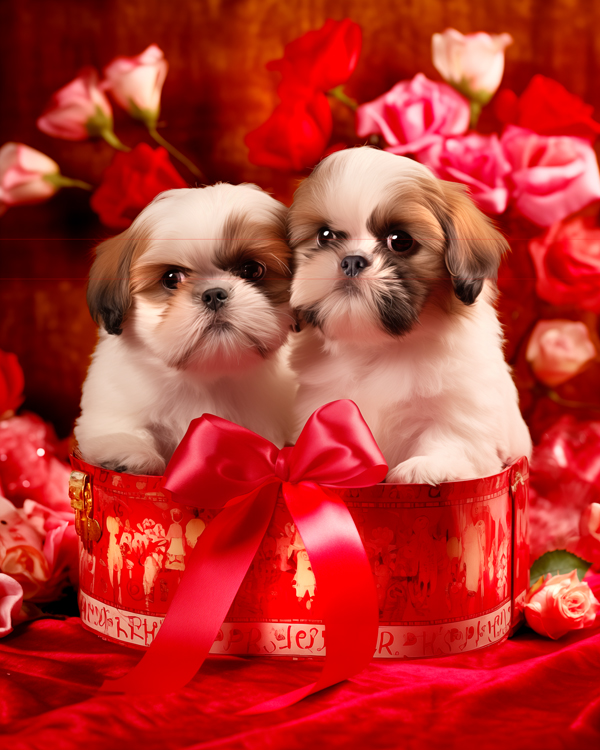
x=11, y=383
x=131, y=182
x=296, y=134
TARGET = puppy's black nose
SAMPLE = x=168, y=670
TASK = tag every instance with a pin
x=352, y=265
x=214, y=298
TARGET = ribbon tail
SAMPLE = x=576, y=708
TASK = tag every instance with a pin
x=344, y=583
x=214, y=573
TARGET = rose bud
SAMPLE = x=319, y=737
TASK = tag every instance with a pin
x=79, y=110
x=559, y=604
x=472, y=63
x=28, y=176
x=136, y=83
x=23, y=173
x=558, y=350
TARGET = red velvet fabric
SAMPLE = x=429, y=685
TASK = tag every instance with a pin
x=529, y=692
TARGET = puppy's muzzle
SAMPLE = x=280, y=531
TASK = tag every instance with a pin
x=352, y=265
x=214, y=298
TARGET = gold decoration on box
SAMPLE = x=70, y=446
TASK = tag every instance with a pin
x=518, y=480
x=80, y=493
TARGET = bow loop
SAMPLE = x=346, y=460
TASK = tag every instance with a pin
x=337, y=449
x=216, y=461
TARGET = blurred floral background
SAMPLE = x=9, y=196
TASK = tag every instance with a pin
x=106, y=105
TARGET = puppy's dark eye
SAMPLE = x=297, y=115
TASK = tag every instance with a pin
x=252, y=270
x=400, y=242
x=325, y=235
x=172, y=278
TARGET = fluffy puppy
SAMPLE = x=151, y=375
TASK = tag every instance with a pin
x=193, y=304
x=394, y=279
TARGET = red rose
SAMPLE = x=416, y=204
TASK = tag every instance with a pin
x=131, y=182
x=324, y=58
x=294, y=136
x=11, y=383
x=567, y=264
x=547, y=108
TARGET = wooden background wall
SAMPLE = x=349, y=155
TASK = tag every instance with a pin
x=216, y=91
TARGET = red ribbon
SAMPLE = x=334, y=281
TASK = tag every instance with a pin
x=219, y=464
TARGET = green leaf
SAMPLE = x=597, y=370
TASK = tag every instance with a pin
x=558, y=562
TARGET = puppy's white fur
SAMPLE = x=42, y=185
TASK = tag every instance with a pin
x=414, y=340
x=163, y=356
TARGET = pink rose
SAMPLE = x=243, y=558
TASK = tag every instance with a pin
x=473, y=63
x=475, y=160
x=553, y=176
x=79, y=110
x=414, y=115
x=21, y=550
x=560, y=604
x=11, y=599
x=558, y=350
x=23, y=173
x=136, y=83
x=567, y=263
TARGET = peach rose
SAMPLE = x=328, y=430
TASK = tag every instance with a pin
x=559, y=604
x=136, y=83
x=558, y=350
x=475, y=160
x=590, y=521
x=553, y=176
x=414, y=115
x=588, y=544
x=472, y=63
x=23, y=173
x=79, y=110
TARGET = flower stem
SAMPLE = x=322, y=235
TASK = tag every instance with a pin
x=553, y=396
x=59, y=180
x=176, y=153
x=110, y=137
x=339, y=94
x=475, y=112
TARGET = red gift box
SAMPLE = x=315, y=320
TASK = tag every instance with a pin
x=450, y=565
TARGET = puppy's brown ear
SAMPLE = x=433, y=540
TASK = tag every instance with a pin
x=474, y=247
x=108, y=294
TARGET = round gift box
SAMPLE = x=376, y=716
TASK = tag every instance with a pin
x=450, y=564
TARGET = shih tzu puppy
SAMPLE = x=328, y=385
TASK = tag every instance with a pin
x=193, y=304
x=395, y=282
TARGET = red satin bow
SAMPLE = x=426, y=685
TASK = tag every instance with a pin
x=219, y=464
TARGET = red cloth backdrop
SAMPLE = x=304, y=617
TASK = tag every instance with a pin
x=527, y=693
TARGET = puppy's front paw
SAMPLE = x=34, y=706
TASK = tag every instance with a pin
x=432, y=470
x=124, y=453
